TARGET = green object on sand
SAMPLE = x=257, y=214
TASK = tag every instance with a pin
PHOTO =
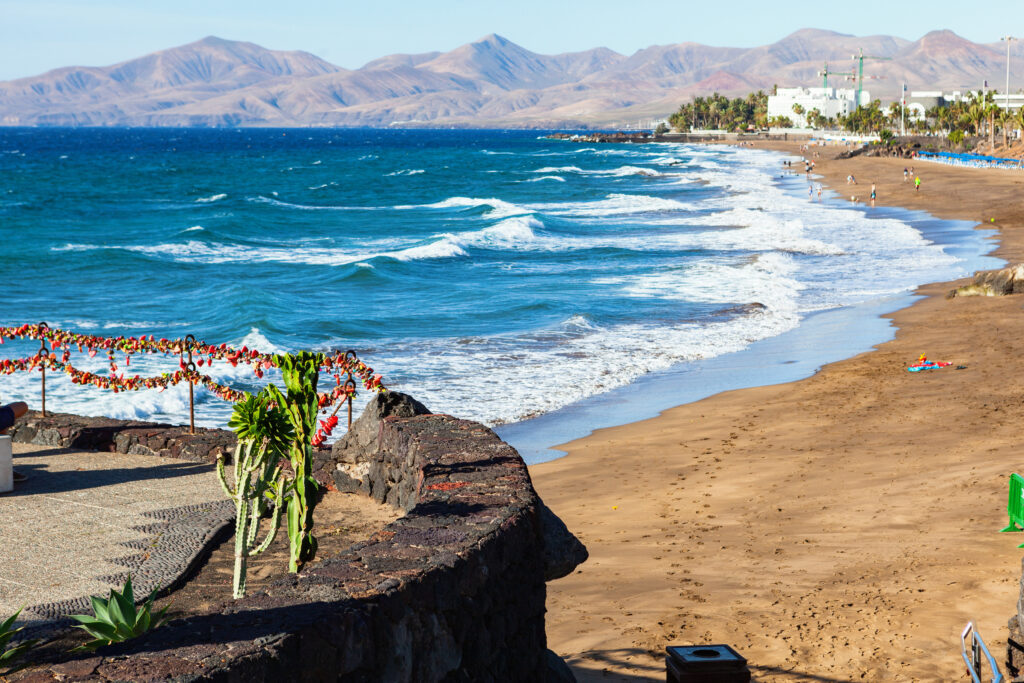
x=1015, y=505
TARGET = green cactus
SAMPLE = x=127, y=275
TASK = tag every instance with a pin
x=300, y=372
x=264, y=433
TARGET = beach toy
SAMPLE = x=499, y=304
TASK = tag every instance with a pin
x=1015, y=506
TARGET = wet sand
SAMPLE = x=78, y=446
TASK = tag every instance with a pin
x=842, y=527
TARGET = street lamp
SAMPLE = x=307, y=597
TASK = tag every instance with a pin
x=1007, y=96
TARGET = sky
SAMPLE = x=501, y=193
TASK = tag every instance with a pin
x=38, y=35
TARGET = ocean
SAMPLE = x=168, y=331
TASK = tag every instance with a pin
x=494, y=275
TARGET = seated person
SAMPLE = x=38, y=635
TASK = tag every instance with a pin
x=8, y=415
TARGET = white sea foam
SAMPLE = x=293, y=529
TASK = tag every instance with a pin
x=194, y=228
x=211, y=199
x=545, y=177
x=498, y=207
x=406, y=171
x=307, y=207
x=560, y=169
x=614, y=205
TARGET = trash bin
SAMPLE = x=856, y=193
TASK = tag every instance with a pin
x=705, y=664
x=6, y=465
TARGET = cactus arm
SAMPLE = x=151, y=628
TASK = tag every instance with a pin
x=221, y=476
x=275, y=522
x=241, y=536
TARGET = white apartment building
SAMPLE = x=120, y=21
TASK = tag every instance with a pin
x=830, y=102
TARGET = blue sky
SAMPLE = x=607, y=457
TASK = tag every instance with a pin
x=37, y=35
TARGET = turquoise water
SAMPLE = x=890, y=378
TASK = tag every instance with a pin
x=495, y=275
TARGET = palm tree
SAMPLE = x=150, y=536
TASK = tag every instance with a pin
x=1004, y=123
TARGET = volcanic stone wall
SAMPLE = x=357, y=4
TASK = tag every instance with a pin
x=64, y=430
x=453, y=591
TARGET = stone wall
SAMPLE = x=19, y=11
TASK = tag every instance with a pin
x=122, y=436
x=452, y=591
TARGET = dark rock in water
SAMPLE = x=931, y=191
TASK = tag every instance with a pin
x=557, y=670
x=361, y=441
x=563, y=552
x=993, y=283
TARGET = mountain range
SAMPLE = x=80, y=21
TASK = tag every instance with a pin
x=491, y=82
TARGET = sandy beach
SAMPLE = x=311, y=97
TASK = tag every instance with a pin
x=842, y=527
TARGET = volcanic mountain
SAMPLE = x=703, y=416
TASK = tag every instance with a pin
x=490, y=82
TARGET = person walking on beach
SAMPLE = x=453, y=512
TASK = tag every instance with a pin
x=872, y=194
x=9, y=414
x=917, y=183
x=906, y=174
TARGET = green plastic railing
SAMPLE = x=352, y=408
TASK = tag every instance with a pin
x=1015, y=505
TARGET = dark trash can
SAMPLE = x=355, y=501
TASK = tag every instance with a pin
x=705, y=664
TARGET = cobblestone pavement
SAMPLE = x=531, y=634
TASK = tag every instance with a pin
x=84, y=521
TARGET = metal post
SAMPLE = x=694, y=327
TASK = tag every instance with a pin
x=190, y=367
x=350, y=357
x=903, y=111
x=1006, y=99
x=43, y=353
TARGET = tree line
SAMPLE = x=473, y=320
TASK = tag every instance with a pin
x=977, y=114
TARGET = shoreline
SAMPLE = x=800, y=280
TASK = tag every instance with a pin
x=822, y=337
x=798, y=522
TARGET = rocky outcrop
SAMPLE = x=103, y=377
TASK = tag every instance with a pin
x=360, y=442
x=993, y=283
x=359, y=466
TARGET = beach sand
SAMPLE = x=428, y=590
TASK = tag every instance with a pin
x=842, y=527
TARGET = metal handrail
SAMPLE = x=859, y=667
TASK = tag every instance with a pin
x=973, y=660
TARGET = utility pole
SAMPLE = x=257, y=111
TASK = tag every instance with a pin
x=1007, y=95
x=903, y=111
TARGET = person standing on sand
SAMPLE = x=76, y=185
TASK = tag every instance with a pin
x=8, y=415
x=872, y=194
x=906, y=174
x=917, y=183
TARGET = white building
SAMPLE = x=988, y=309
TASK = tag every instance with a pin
x=830, y=102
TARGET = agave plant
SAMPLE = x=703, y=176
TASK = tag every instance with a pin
x=9, y=655
x=116, y=619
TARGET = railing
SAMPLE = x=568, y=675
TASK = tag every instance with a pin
x=344, y=367
x=974, y=661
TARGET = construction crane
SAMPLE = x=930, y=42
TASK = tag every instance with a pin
x=825, y=73
x=860, y=57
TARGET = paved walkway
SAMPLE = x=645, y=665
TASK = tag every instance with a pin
x=83, y=521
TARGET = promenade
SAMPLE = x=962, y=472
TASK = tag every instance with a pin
x=84, y=520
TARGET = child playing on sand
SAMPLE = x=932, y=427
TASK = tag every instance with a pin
x=917, y=183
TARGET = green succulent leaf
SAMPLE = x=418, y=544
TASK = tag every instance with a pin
x=99, y=607
x=116, y=619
